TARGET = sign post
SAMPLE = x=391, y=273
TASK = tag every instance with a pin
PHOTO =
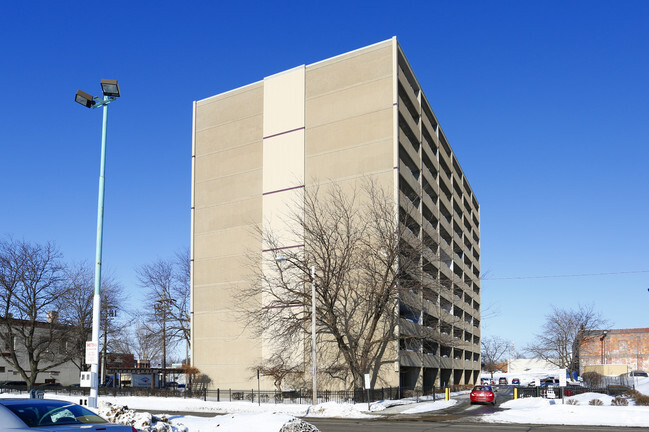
x=367, y=387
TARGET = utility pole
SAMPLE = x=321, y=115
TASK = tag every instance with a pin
x=161, y=306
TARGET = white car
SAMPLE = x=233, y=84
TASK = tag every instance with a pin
x=53, y=416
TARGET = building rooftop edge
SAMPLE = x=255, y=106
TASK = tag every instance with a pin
x=391, y=40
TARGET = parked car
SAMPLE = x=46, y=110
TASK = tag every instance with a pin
x=638, y=374
x=50, y=386
x=26, y=414
x=16, y=384
x=573, y=390
x=550, y=382
x=516, y=381
x=483, y=394
x=502, y=381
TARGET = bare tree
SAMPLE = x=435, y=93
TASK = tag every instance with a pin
x=31, y=282
x=279, y=368
x=365, y=257
x=76, y=309
x=494, y=349
x=561, y=335
x=168, y=290
x=141, y=341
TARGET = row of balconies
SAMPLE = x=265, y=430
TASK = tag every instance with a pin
x=411, y=113
x=436, y=318
x=464, y=253
x=410, y=158
x=410, y=356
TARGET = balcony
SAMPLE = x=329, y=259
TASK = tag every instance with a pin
x=407, y=88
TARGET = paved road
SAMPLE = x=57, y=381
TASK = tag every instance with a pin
x=332, y=425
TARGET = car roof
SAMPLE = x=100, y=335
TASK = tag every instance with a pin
x=18, y=401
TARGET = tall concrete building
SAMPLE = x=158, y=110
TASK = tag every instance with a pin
x=257, y=148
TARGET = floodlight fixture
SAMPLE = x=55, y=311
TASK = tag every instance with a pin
x=84, y=99
x=110, y=88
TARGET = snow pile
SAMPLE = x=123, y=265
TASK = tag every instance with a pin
x=147, y=422
x=244, y=422
x=142, y=421
x=297, y=425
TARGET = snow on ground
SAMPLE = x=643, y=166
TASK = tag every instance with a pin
x=430, y=406
x=431, y=403
x=246, y=416
x=553, y=411
x=549, y=411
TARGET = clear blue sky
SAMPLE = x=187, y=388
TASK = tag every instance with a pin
x=545, y=104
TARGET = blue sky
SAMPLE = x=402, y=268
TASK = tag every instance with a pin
x=545, y=104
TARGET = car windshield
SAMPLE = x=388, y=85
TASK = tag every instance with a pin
x=54, y=413
x=482, y=388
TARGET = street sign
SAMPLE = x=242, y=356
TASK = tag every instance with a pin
x=91, y=352
x=367, y=381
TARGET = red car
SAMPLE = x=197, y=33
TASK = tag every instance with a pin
x=483, y=394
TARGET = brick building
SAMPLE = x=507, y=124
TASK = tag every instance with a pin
x=623, y=347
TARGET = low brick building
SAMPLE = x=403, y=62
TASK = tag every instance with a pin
x=624, y=347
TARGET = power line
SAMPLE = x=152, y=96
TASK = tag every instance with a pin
x=564, y=276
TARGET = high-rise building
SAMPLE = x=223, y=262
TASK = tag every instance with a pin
x=360, y=114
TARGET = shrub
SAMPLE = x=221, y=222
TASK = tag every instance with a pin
x=595, y=402
x=592, y=379
x=638, y=398
x=641, y=399
x=572, y=402
x=619, y=401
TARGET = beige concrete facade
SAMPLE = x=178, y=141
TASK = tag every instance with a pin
x=257, y=148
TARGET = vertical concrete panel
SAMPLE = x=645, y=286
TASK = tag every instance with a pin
x=283, y=169
x=284, y=161
x=280, y=220
x=284, y=102
x=283, y=181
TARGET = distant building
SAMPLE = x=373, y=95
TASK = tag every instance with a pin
x=120, y=360
x=65, y=374
x=614, y=351
x=530, y=365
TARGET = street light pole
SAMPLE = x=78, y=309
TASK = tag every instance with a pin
x=96, y=304
x=313, y=351
x=110, y=89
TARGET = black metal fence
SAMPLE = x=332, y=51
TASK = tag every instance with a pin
x=301, y=396
x=228, y=395
x=110, y=391
x=553, y=392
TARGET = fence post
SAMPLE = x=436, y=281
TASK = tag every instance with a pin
x=218, y=395
x=204, y=394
